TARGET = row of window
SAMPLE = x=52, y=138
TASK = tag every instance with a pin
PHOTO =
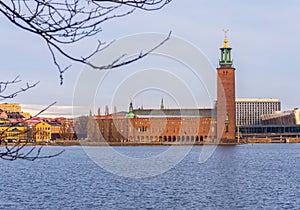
x=270, y=130
x=169, y=138
x=144, y=129
x=160, y=122
x=43, y=128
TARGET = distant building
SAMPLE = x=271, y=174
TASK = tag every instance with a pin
x=281, y=126
x=249, y=111
x=37, y=131
x=270, y=131
x=172, y=125
x=178, y=125
x=225, y=106
x=10, y=107
x=11, y=117
x=157, y=125
x=14, y=111
x=42, y=132
x=12, y=133
x=291, y=117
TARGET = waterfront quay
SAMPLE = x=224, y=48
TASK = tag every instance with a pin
x=241, y=141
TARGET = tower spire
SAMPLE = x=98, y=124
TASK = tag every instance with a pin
x=225, y=60
x=162, y=106
x=130, y=113
x=130, y=107
x=225, y=38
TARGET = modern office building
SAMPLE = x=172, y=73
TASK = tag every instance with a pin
x=249, y=111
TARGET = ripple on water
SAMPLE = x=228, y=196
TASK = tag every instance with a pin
x=244, y=177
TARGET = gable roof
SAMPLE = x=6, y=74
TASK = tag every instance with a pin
x=15, y=130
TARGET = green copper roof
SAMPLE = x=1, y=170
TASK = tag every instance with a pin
x=225, y=52
x=225, y=56
x=130, y=113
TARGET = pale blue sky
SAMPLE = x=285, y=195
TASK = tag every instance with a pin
x=264, y=36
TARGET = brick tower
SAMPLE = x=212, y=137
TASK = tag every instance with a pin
x=226, y=95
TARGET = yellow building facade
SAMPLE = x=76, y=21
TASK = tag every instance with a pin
x=42, y=132
x=26, y=115
x=10, y=107
x=12, y=133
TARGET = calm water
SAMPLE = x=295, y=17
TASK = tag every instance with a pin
x=235, y=177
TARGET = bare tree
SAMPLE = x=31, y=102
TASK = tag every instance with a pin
x=67, y=22
x=66, y=131
x=80, y=126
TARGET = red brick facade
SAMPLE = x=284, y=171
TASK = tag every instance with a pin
x=158, y=129
x=226, y=103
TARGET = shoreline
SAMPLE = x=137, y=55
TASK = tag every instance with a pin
x=133, y=144
x=80, y=143
x=221, y=143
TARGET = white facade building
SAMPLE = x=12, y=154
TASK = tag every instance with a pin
x=250, y=110
x=290, y=117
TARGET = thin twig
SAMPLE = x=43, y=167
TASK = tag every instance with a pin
x=68, y=22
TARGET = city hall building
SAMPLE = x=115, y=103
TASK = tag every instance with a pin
x=177, y=125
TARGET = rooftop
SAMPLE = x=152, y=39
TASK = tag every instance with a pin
x=173, y=112
x=256, y=100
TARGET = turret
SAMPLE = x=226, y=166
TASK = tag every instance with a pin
x=130, y=113
x=225, y=60
x=162, y=106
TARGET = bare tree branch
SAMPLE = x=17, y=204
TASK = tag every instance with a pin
x=18, y=151
x=21, y=150
x=63, y=22
x=4, y=85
